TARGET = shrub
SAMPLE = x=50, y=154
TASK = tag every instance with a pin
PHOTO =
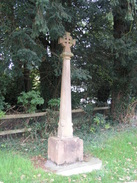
x=54, y=103
x=2, y=114
x=30, y=100
x=99, y=121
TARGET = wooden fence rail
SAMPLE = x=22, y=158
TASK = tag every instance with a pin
x=19, y=116
x=22, y=116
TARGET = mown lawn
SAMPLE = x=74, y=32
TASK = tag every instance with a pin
x=117, y=150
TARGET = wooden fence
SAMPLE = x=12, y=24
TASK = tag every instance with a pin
x=41, y=114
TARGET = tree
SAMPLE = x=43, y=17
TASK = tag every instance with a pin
x=92, y=55
x=104, y=61
x=124, y=49
x=30, y=33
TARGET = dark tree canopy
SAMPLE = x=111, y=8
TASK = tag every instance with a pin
x=105, y=58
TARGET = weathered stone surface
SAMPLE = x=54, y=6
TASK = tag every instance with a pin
x=65, y=118
x=67, y=42
x=89, y=165
x=65, y=151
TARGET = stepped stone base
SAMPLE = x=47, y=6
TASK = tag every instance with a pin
x=65, y=151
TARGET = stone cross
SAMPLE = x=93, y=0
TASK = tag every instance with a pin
x=65, y=120
x=67, y=42
x=65, y=148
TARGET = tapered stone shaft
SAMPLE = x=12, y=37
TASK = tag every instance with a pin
x=65, y=128
x=65, y=119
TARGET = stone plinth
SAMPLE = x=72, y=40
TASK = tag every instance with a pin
x=65, y=151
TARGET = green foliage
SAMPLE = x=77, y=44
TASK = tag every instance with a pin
x=76, y=96
x=80, y=74
x=81, y=126
x=89, y=111
x=38, y=129
x=89, y=108
x=124, y=60
x=104, y=61
x=51, y=125
x=99, y=121
x=44, y=127
x=2, y=102
x=49, y=19
x=125, y=109
x=2, y=114
x=54, y=104
x=26, y=55
x=95, y=121
x=30, y=100
x=91, y=123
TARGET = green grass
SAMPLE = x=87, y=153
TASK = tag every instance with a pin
x=119, y=156
x=15, y=169
x=117, y=150
x=32, y=147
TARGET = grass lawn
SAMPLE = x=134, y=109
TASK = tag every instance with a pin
x=116, y=148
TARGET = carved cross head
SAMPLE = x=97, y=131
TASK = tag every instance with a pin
x=67, y=42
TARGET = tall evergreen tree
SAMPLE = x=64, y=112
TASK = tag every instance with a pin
x=104, y=59
x=125, y=56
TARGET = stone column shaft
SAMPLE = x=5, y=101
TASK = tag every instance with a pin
x=65, y=120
